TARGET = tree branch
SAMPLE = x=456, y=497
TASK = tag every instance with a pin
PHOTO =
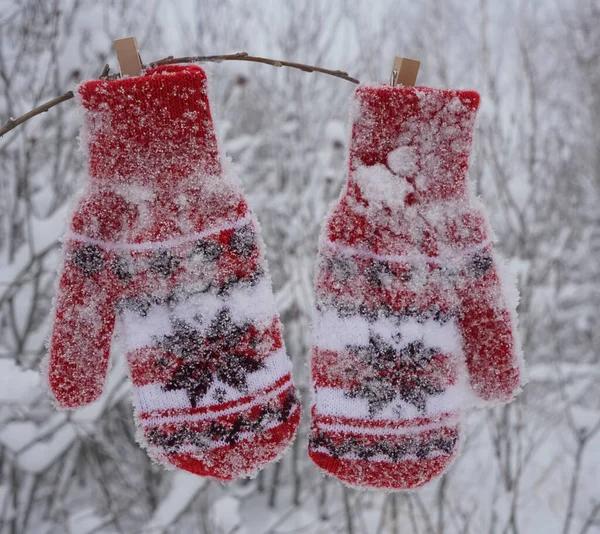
x=13, y=123
x=243, y=56
x=239, y=56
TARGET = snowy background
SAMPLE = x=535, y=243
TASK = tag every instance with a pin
x=530, y=467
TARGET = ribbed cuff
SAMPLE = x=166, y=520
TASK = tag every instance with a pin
x=154, y=128
x=415, y=137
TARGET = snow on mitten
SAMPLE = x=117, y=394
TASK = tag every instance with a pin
x=412, y=325
x=163, y=243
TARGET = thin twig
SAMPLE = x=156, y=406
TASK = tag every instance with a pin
x=239, y=56
x=13, y=123
x=243, y=56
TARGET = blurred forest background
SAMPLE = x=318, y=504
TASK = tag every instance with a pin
x=530, y=467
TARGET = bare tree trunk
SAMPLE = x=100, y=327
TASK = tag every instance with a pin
x=274, y=485
x=440, y=497
x=348, y=511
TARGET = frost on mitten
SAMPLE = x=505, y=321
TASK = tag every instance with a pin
x=163, y=243
x=412, y=325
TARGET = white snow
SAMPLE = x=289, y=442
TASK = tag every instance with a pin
x=184, y=489
x=402, y=161
x=226, y=517
x=18, y=386
x=380, y=186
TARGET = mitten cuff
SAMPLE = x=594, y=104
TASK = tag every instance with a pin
x=411, y=144
x=154, y=128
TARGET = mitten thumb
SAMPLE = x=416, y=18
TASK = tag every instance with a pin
x=84, y=309
x=488, y=329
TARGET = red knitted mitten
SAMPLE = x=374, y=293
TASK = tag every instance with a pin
x=163, y=242
x=412, y=325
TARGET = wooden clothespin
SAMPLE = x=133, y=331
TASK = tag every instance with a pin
x=404, y=71
x=128, y=56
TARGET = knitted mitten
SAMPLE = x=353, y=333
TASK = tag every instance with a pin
x=411, y=317
x=163, y=243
